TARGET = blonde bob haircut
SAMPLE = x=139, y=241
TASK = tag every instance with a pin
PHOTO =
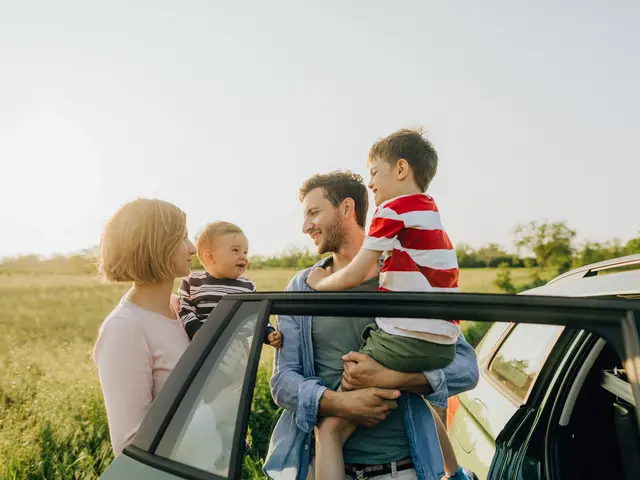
x=139, y=240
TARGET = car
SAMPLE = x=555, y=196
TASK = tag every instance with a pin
x=553, y=398
x=196, y=426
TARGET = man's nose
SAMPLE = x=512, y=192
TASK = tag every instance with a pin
x=306, y=227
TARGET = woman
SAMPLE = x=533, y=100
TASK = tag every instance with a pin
x=144, y=243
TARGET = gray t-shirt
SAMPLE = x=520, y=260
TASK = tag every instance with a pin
x=333, y=337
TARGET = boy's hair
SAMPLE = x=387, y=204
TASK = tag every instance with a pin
x=339, y=185
x=412, y=146
x=211, y=231
x=138, y=242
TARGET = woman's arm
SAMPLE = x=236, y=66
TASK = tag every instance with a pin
x=125, y=367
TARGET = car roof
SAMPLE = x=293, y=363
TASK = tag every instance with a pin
x=586, y=281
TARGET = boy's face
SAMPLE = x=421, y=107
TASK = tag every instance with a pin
x=229, y=256
x=384, y=181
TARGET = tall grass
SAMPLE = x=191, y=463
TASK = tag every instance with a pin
x=52, y=417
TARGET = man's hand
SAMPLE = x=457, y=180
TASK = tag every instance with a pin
x=316, y=276
x=275, y=339
x=366, y=407
x=362, y=371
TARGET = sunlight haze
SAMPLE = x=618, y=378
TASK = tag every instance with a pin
x=225, y=110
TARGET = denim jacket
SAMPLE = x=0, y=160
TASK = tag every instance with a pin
x=296, y=388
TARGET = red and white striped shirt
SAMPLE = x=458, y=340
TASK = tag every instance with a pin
x=419, y=258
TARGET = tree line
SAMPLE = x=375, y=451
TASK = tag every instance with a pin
x=543, y=246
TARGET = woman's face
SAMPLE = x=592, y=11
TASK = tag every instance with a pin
x=182, y=256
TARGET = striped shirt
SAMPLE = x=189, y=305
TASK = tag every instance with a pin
x=419, y=257
x=199, y=294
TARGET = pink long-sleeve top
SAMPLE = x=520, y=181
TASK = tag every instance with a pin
x=135, y=353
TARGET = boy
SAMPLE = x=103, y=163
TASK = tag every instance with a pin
x=222, y=250
x=418, y=256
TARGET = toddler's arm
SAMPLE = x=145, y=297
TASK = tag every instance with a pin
x=188, y=316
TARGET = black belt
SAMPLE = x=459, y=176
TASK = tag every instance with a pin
x=362, y=470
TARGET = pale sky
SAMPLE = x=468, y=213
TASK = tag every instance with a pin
x=225, y=110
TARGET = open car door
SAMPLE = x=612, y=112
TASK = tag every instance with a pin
x=196, y=426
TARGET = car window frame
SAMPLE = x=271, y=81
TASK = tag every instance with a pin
x=181, y=414
x=609, y=319
x=212, y=341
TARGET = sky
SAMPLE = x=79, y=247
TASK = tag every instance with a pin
x=225, y=109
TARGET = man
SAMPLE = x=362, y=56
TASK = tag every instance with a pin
x=308, y=369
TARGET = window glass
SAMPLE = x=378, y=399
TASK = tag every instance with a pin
x=520, y=358
x=205, y=440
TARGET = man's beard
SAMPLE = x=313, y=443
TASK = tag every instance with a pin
x=334, y=238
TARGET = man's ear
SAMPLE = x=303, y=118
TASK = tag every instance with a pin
x=402, y=167
x=348, y=207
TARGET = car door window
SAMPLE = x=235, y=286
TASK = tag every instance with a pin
x=518, y=361
x=201, y=433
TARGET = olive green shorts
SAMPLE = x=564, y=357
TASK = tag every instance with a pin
x=403, y=354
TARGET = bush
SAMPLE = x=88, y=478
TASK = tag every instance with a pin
x=475, y=331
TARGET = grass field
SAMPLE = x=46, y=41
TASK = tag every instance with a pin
x=52, y=419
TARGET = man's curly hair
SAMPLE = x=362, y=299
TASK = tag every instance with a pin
x=339, y=185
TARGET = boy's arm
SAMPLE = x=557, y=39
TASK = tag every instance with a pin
x=352, y=275
x=384, y=229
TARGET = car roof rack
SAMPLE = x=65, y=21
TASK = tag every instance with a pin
x=594, y=268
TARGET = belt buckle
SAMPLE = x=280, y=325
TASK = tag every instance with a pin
x=360, y=475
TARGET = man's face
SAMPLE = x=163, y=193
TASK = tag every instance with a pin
x=322, y=222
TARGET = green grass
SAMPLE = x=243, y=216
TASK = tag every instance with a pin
x=52, y=418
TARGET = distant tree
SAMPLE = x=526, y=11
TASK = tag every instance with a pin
x=490, y=254
x=593, y=252
x=467, y=257
x=633, y=246
x=550, y=243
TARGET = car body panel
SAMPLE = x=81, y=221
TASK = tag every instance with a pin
x=622, y=283
x=474, y=431
x=129, y=468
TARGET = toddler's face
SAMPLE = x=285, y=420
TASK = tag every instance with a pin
x=230, y=255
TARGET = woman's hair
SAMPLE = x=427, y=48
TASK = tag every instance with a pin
x=139, y=240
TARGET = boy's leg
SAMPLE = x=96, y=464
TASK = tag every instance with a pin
x=331, y=433
x=413, y=355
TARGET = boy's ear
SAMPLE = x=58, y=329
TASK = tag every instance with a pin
x=402, y=167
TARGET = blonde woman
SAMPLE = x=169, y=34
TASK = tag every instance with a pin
x=146, y=244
